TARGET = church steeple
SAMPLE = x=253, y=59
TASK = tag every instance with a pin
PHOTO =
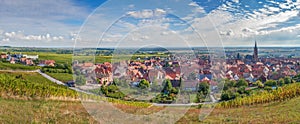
x=255, y=54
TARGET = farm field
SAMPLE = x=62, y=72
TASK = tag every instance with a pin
x=8, y=66
x=40, y=111
x=64, y=77
x=50, y=111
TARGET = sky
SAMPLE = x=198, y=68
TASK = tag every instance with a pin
x=136, y=23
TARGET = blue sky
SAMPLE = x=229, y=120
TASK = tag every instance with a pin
x=65, y=23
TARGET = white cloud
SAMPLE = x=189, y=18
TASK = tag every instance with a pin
x=131, y=6
x=193, y=4
x=147, y=13
x=5, y=40
x=21, y=36
x=236, y=1
x=36, y=18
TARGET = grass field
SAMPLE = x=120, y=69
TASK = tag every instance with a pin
x=8, y=66
x=22, y=111
x=50, y=111
x=64, y=77
x=67, y=58
x=32, y=77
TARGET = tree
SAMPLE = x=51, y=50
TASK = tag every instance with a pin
x=168, y=86
x=241, y=82
x=297, y=78
x=228, y=95
x=280, y=82
x=271, y=83
x=203, y=87
x=242, y=90
x=287, y=80
x=259, y=84
x=228, y=84
x=144, y=84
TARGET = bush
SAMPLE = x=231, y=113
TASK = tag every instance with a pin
x=241, y=82
x=280, y=82
x=203, y=87
x=271, y=83
x=228, y=95
x=259, y=84
x=287, y=80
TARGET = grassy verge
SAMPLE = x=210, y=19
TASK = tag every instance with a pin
x=8, y=66
x=64, y=77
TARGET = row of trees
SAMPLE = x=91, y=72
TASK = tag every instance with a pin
x=58, y=68
x=233, y=89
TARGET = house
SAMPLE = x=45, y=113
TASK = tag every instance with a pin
x=29, y=62
x=33, y=57
x=104, y=73
x=12, y=61
x=47, y=62
x=3, y=56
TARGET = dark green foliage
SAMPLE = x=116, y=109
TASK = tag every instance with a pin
x=242, y=90
x=297, y=78
x=228, y=95
x=287, y=80
x=228, y=84
x=168, y=86
x=144, y=84
x=112, y=91
x=59, y=68
x=280, y=82
x=241, y=83
x=203, y=87
x=271, y=83
x=168, y=94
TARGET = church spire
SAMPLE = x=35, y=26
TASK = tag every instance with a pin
x=255, y=54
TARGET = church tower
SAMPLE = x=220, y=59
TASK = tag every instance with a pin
x=255, y=54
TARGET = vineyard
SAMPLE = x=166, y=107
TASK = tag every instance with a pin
x=8, y=66
x=280, y=94
x=32, y=85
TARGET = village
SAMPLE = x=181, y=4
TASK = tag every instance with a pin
x=29, y=60
x=188, y=73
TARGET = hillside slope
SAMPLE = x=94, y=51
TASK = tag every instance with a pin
x=20, y=111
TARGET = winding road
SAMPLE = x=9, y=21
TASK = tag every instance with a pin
x=213, y=100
